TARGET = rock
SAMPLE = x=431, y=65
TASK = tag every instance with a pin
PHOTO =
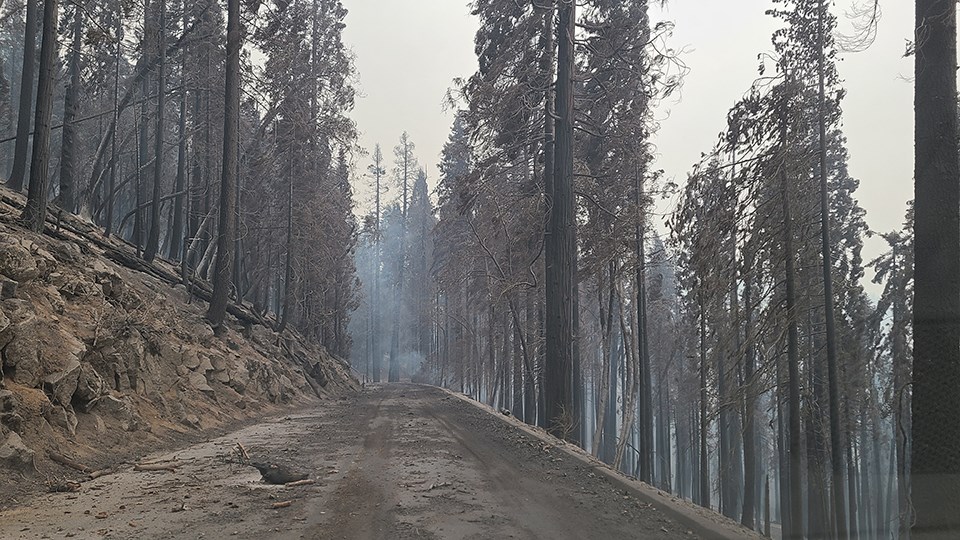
x=12, y=420
x=22, y=357
x=90, y=386
x=191, y=360
x=15, y=455
x=239, y=379
x=8, y=401
x=99, y=424
x=205, y=366
x=121, y=409
x=8, y=411
x=275, y=473
x=17, y=313
x=61, y=386
x=4, y=323
x=218, y=363
x=16, y=261
x=199, y=383
x=8, y=289
x=191, y=420
x=64, y=418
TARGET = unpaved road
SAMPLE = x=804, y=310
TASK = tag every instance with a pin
x=392, y=462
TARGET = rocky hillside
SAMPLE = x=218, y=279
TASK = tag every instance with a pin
x=101, y=362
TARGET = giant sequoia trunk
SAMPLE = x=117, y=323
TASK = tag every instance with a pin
x=26, y=99
x=35, y=212
x=837, y=492
x=153, y=236
x=71, y=103
x=793, y=354
x=935, y=468
x=227, y=232
x=560, y=247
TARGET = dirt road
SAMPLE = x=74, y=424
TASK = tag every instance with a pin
x=393, y=462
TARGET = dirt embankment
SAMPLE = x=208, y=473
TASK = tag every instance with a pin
x=101, y=362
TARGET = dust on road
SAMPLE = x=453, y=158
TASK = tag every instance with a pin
x=392, y=462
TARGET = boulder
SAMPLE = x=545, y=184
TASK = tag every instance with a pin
x=15, y=455
x=63, y=418
x=120, y=409
x=4, y=323
x=17, y=314
x=21, y=357
x=61, y=386
x=199, y=383
x=191, y=420
x=8, y=401
x=205, y=365
x=8, y=411
x=90, y=386
x=239, y=379
x=16, y=261
x=191, y=360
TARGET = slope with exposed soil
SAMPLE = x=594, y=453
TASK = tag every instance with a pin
x=101, y=362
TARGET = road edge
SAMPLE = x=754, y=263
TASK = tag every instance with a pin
x=704, y=523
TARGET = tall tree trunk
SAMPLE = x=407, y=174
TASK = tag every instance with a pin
x=704, y=456
x=18, y=175
x=901, y=417
x=561, y=246
x=228, y=184
x=838, y=491
x=176, y=227
x=646, y=386
x=112, y=184
x=935, y=467
x=153, y=237
x=288, y=264
x=793, y=353
x=35, y=211
x=71, y=104
x=747, y=518
x=378, y=254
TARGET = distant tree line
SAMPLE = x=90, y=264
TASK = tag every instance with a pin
x=737, y=362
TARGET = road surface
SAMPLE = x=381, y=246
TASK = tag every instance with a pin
x=392, y=462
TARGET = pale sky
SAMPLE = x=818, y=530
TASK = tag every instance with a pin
x=409, y=51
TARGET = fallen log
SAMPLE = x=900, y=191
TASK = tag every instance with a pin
x=279, y=505
x=102, y=472
x=67, y=462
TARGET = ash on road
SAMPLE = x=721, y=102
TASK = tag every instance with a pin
x=392, y=462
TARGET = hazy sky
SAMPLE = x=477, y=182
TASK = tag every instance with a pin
x=409, y=51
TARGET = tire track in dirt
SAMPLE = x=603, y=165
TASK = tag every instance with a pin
x=360, y=504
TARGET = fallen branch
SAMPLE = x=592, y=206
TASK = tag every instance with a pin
x=303, y=482
x=103, y=472
x=155, y=467
x=67, y=462
x=279, y=505
x=244, y=456
x=175, y=461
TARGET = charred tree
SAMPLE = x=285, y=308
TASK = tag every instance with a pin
x=227, y=232
x=18, y=175
x=935, y=467
x=35, y=212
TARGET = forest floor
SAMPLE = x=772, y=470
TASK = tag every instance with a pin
x=391, y=462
